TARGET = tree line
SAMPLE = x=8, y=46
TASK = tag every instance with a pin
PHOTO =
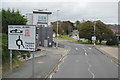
x=64, y=27
x=86, y=30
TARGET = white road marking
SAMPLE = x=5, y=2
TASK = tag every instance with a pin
x=86, y=54
x=90, y=48
x=90, y=70
x=114, y=63
x=51, y=76
x=40, y=62
x=76, y=48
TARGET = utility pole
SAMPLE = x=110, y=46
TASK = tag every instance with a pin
x=57, y=28
x=94, y=31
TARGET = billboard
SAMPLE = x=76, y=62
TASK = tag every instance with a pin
x=40, y=19
x=21, y=37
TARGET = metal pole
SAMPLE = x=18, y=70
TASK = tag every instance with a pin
x=57, y=28
x=47, y=20
x=94, y=30
x=33, y=64
x=10, y=60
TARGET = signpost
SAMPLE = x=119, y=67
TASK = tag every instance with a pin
x=21, y=37
x=94, y=39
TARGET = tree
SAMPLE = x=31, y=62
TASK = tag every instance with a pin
x=102, y=32
x=77, y=24
x=67, y=27
x=86, y=30
x=11, y=18
x=54, y=25
x=64, y=27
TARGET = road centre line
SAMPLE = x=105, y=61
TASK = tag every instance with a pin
x=76, y=48
x=90, y=70
x=86, y=54
x=90, y=48
x=85, y=51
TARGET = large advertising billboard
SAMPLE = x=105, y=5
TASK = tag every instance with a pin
x=40, y=19
x=21, y=37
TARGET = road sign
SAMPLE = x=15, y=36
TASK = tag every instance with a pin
x=21, y=37
x=93, y=38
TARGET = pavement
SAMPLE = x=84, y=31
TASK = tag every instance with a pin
x=45, y=62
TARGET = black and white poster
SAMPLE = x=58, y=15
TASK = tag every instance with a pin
x=21, y=37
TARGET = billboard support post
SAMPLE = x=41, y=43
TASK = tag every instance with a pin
x=33, y=60
x=46, y=45
x=10, y=60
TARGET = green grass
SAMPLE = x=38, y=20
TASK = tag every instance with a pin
x=6, y=56
x=85, y=42
x=6, y=65
x=64, y=37
x=0, y=41
x=79, y=42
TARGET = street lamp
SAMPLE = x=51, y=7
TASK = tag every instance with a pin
x=57, y=27
x=94, y=31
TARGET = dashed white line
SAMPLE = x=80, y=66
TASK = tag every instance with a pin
x=85, y=53
x=90, y=48
x=90, y=70
x=76, y=48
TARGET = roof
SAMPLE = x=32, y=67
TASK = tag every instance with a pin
x=42, y=11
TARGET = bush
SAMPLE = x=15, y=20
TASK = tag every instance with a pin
x=112, y=41
x=6, y=54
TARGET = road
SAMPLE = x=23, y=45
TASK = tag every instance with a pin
x=85, y=62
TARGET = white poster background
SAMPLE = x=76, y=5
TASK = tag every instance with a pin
x=21, y=37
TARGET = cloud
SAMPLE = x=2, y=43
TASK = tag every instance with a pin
x=105, y=11
x=61, y=1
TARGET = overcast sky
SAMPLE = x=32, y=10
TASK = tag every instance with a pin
x=104, y=10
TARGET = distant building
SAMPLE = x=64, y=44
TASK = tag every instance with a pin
x=116, y=30
x=38, y=17
x=44, y=31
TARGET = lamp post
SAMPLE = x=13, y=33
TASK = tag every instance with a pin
x=94, y=31
x=57, y=28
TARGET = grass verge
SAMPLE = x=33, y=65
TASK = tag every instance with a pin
x=64, y=37
x=83, y=42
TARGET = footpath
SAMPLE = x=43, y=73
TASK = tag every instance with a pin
x=111, y=52
x=45, y=61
